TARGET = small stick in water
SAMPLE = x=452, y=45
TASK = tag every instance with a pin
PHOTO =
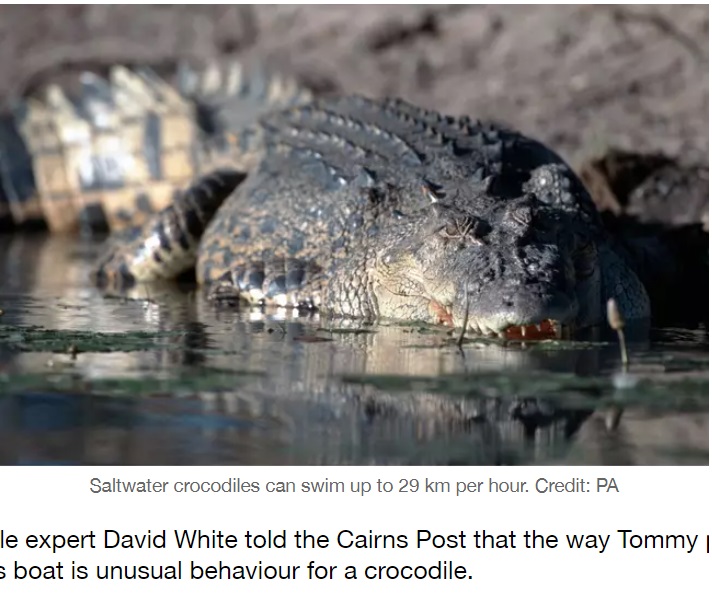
x=613, y=417
x=616, y=322
x=464, y=322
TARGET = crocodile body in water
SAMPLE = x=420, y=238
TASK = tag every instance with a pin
x=377, y=209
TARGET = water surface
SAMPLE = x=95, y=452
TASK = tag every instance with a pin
x=165, y=377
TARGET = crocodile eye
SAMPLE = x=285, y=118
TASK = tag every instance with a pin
x=464, y=230
x=522, y=215
x=519, y=218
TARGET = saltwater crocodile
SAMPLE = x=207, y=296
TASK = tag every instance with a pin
x=379, y=209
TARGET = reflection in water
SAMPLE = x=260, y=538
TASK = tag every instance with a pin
x=215, y=386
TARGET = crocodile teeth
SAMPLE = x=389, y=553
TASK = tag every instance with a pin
x=547, y=329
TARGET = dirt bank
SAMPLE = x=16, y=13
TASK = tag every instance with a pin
x=578, y=77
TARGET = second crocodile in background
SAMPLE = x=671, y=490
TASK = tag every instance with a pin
x=377, y=209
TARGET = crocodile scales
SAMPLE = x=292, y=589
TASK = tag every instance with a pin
x=378, y=209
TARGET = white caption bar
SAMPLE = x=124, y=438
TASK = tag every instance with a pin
x=546, y=532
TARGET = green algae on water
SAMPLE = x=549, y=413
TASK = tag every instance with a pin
x=38, y=339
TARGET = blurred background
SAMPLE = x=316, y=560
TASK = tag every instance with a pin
x=581, y=78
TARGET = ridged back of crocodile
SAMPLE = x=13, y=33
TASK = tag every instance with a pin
x=111, y=151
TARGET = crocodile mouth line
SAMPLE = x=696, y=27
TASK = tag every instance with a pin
x=544, y=330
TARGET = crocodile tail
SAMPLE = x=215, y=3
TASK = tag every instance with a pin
x=111, y=152
x=19, y=202
x=102, y=152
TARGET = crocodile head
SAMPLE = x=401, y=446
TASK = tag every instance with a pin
x=514, y=267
